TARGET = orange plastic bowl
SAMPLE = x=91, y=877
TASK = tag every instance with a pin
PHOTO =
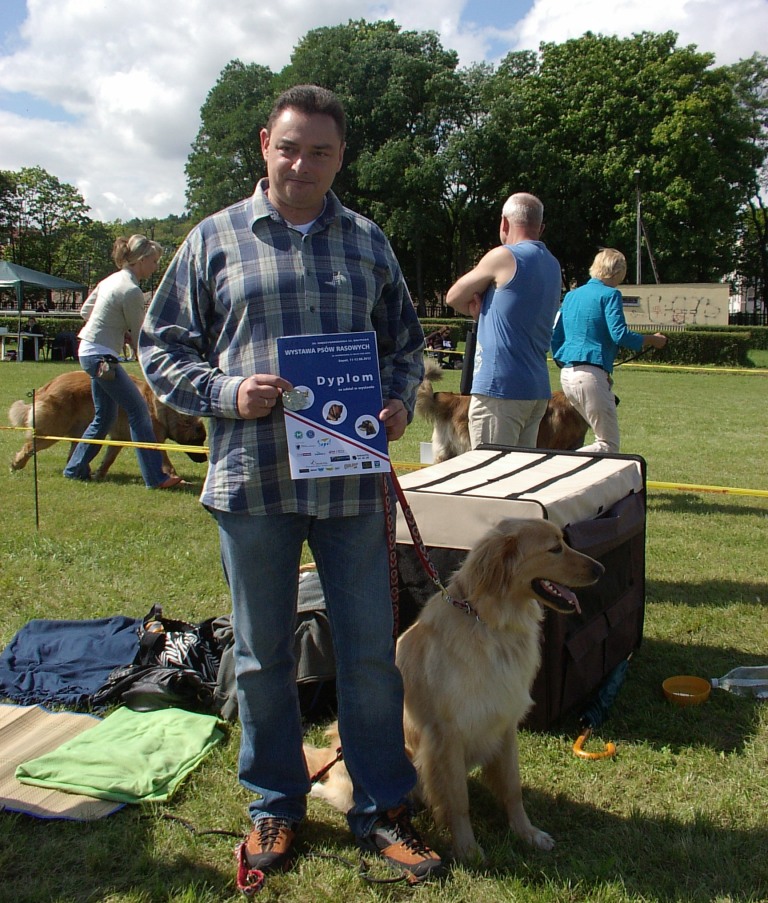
x=685, y=689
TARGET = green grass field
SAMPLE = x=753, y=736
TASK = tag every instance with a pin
x=678, y=815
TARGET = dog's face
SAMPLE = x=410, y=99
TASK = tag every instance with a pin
x=528, y=558
x=182, y=428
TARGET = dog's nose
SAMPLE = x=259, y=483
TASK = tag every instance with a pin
x=597, y=570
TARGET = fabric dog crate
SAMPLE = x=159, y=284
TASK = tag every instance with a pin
x=599, y=503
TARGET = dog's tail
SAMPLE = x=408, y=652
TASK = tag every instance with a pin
x=432, y=370
x=425, y=396
x=19, y=413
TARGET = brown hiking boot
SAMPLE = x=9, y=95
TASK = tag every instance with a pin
x=269, y=846
x=395, y=839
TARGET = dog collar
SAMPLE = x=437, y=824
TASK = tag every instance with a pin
x=464, y=604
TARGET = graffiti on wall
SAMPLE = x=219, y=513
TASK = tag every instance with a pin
x=699, y=304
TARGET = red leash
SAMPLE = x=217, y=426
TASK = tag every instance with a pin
x=326, y=768
x=418, y=544
x=249, y=881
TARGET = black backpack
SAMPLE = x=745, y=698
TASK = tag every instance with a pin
x=176, y=665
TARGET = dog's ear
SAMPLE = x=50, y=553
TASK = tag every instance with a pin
x=491, y=564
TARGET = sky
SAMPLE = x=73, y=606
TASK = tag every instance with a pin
x=106, y=96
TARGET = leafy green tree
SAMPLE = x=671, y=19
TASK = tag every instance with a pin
x=407, y=162
x=475, y=157
x=170, y=232
x=7, y=190
x=393, y=85
x=752, y=269
x=40, y=215
x=226, y=162
x=84, y=254
x=402, y=96
x=433, y=151
x=574, y=128
x=751, y=87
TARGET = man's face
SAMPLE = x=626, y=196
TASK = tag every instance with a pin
x=303, y=155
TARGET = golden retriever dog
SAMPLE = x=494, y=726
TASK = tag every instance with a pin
x=64, y=407
x=468, y=669
x=562, y=427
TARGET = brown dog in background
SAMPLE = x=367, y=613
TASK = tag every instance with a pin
x=561, y=428
x=467, y=677
x=64, y=407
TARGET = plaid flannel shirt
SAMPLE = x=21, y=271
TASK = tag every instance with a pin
x=242, y=278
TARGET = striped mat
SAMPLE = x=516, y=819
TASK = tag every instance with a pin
x=27, y=732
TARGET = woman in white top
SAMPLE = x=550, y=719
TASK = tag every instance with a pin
x=114, y=309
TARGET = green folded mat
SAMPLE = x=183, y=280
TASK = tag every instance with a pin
x=131, y=757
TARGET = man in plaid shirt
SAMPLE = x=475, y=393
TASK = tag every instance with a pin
x=291, y=260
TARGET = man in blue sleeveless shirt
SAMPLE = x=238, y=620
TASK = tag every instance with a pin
x=513, y=293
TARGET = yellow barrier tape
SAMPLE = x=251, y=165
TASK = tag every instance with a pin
x=399, y=465
x=695, y=487
x=741, y=371
x=639, y=365
x=160, y=446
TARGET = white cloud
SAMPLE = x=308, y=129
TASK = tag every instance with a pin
x=731, y=29
x=132, y=78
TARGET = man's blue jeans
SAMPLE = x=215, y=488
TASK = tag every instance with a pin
x=261, y=557
x=108, y=396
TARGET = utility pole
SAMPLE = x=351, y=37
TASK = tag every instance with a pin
x=638, y=230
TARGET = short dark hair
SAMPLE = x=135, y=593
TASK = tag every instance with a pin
x=310, y=100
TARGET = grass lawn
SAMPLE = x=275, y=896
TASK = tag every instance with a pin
x=678, y=815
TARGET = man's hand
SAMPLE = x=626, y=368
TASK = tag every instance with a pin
x=395, y=418
x=258, y=394
x=475, y=306
x=497, y=266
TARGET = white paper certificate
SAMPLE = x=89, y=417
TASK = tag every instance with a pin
x=331, y=414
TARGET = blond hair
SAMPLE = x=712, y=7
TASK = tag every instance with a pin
x=127, y=251
x=609, y=264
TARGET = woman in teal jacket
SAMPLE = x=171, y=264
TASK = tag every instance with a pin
x=588, y=332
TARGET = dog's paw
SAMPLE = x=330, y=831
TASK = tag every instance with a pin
x=337, y=793
x=317, y=791
x=471, y=854
x=539, y=839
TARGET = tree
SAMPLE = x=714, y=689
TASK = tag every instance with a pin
x=169, y=232
x=433, y=151
x=7, y=191
x=751, y=87
x=474, y=192
x=574, y=129
x=40, y=215
x=85, y=254
x=402, y=95
x=752, y=269
x=226, y=162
